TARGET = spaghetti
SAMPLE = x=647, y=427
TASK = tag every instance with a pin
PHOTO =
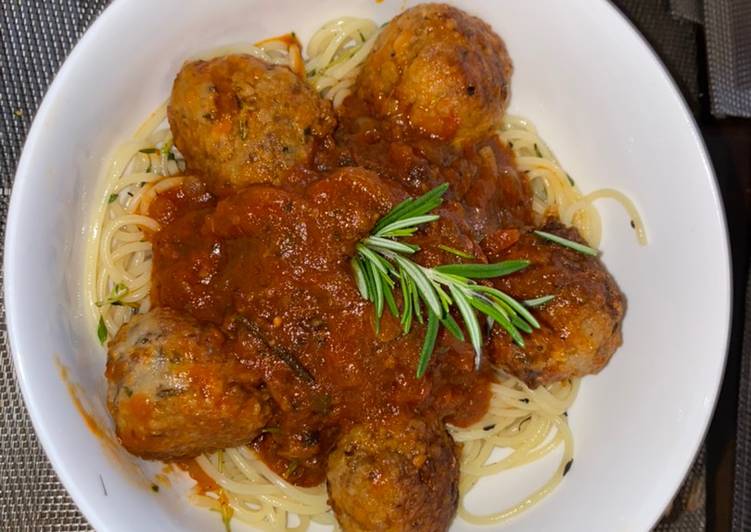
x=554, y=192
x=529, y=424
x=118, y=272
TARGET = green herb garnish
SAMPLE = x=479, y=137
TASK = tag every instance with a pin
x=149, y=151
x=227, y=512
x=101, y=330
x=565, y=242
x=112, y=198
x=483, y=271
x=155, y=488
x=537, y=151
x=291, y=468
x=382, y=262
x=166, y=147
x=119, y=291
x=538, y=301
x=457, y=252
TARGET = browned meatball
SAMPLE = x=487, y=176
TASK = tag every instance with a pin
x=396, y=475
x=172, y=393
x=580, y=328
x=238, y=120
x=439, y=70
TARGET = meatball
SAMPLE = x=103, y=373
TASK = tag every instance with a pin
x=580, y=328
x=439, y=70
x=399, y=474
x=172, y=393
x=238, y=120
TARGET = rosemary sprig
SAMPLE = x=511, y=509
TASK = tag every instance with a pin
x=382, y=262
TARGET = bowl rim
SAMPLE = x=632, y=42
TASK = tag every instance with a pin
x=14, y=232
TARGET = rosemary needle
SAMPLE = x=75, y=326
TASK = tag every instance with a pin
x=565, y=242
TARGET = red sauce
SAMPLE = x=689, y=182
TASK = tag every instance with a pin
x=288, y=38
x=204, y=483
x=91, y=422
x=271, y=266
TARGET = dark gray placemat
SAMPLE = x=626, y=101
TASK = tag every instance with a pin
x=742, y=488
x=673, y=38
x=728, y=34
x=35, y=37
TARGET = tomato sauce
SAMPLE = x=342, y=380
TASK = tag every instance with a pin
x=270, y=265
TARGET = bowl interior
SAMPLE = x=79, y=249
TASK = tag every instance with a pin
x=598, y=96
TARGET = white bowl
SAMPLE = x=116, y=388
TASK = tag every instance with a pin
x=598, y=95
